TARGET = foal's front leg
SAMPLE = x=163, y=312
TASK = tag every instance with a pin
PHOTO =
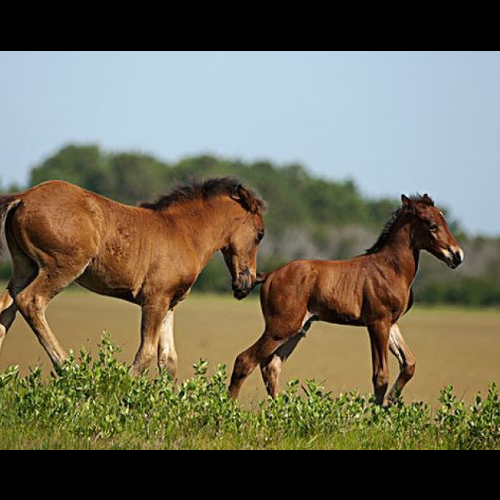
x=379, y=336
x=167, y=355
x=247, y=361
x=153, y=317
x=271, y=367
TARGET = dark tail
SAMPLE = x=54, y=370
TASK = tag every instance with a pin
x=7, y=203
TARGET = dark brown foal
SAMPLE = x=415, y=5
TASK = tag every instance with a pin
x=374, y=291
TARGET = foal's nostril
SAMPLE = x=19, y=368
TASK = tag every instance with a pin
x=457, y=258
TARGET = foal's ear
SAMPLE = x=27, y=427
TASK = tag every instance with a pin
x=406, y=201
x=246, y=199
x=427, y=199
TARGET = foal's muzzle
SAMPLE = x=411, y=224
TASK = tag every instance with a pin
x=243, y=285
x=455, y=257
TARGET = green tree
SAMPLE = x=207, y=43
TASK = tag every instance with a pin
x=132, y=177
x=81, y=165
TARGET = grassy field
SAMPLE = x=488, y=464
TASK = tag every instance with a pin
x=453, y=347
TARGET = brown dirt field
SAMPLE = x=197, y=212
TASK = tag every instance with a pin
x=453, y=346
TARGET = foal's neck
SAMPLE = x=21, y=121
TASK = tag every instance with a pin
x=208, y=225
x=400, y=252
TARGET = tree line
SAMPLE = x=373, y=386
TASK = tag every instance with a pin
x=309, y=217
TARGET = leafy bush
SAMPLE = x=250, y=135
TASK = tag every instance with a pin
x=96, y=403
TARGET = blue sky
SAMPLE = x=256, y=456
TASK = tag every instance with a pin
x=394, y=122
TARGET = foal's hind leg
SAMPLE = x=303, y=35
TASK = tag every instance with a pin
x=271, y=368
x=8, y=310
x=406, y=360
x=32, y=303
x=153, y=319
x=7, y=314
x=24, y=271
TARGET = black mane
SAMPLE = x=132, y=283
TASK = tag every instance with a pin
x=198, y=189
x=384, y=237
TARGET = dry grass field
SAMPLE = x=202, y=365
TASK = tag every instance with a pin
x=453, y=346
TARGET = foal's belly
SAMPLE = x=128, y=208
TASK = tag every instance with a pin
x=344, y=319
x=338, y=313
x=103, y=285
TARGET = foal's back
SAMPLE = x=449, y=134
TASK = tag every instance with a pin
x=61, y=226
x=59, y=216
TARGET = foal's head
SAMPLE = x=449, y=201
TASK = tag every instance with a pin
x=242, y=224
x=430, y=231
x=241, y=252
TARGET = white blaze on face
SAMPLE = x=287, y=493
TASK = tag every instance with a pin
x=452, y=251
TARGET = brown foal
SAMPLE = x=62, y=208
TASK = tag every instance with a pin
x=373, y=290
x=151, y=255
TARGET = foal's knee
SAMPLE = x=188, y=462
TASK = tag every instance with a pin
x=409, y=369
x=241, y=367
x=381, y=379
x=29, y=305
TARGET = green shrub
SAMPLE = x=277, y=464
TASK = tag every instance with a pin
x=96, y=403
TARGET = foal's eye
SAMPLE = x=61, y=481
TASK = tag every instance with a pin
x=260, y=237
x=434, y=228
